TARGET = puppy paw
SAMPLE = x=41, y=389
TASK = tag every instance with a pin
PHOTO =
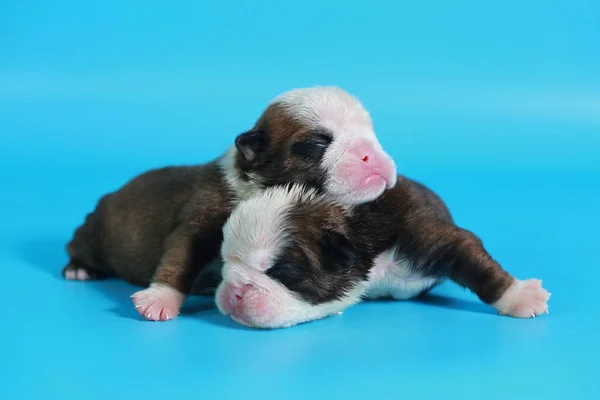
x=158, y=302
x=524, y=299
x=78, y=273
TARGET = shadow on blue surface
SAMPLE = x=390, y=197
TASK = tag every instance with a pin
x=49, y=257
x=451, y=303
x=48, y=254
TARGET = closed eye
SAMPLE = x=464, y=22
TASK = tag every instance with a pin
x=289, y=274
x=321, y=138
x=313, y=148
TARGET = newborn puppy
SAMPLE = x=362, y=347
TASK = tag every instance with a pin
x=164, y=227
x=292, y=255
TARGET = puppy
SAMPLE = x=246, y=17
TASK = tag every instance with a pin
x=165, y=226
x=292, y=255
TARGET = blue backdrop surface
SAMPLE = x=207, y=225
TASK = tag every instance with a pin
x=495, y=105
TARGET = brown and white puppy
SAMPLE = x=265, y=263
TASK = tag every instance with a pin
x=164, y=227
x=292, y=255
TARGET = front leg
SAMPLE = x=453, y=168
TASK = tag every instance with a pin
x=188, y=250
x=463, y=258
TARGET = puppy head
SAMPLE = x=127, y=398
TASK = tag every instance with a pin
x=287, y=260
x=322, y=137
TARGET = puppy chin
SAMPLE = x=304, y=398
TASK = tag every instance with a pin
x=286, y=321
x=369, y=190
x=252, y=320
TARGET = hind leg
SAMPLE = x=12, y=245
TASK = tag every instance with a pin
x=85, y=262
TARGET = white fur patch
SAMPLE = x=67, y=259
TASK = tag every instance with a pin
x=242, y=188
x=391, y=277
x=326, y=106
x=295, y=311
x=255, y=231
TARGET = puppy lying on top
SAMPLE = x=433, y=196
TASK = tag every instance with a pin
x=292, y=255
x=164, y=227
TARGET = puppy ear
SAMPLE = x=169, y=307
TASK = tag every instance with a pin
x=338, y=251
x=252, y=144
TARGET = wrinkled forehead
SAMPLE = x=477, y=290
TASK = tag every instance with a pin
x=328, y=108
x=258, y=229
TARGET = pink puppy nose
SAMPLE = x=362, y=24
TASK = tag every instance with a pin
x=235, y=296
x=367, y=157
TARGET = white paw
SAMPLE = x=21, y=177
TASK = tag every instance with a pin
x=76, y=274
x=524, y=299
x=158, y=302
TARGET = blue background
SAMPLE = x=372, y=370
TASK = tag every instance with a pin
x=495, y=105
